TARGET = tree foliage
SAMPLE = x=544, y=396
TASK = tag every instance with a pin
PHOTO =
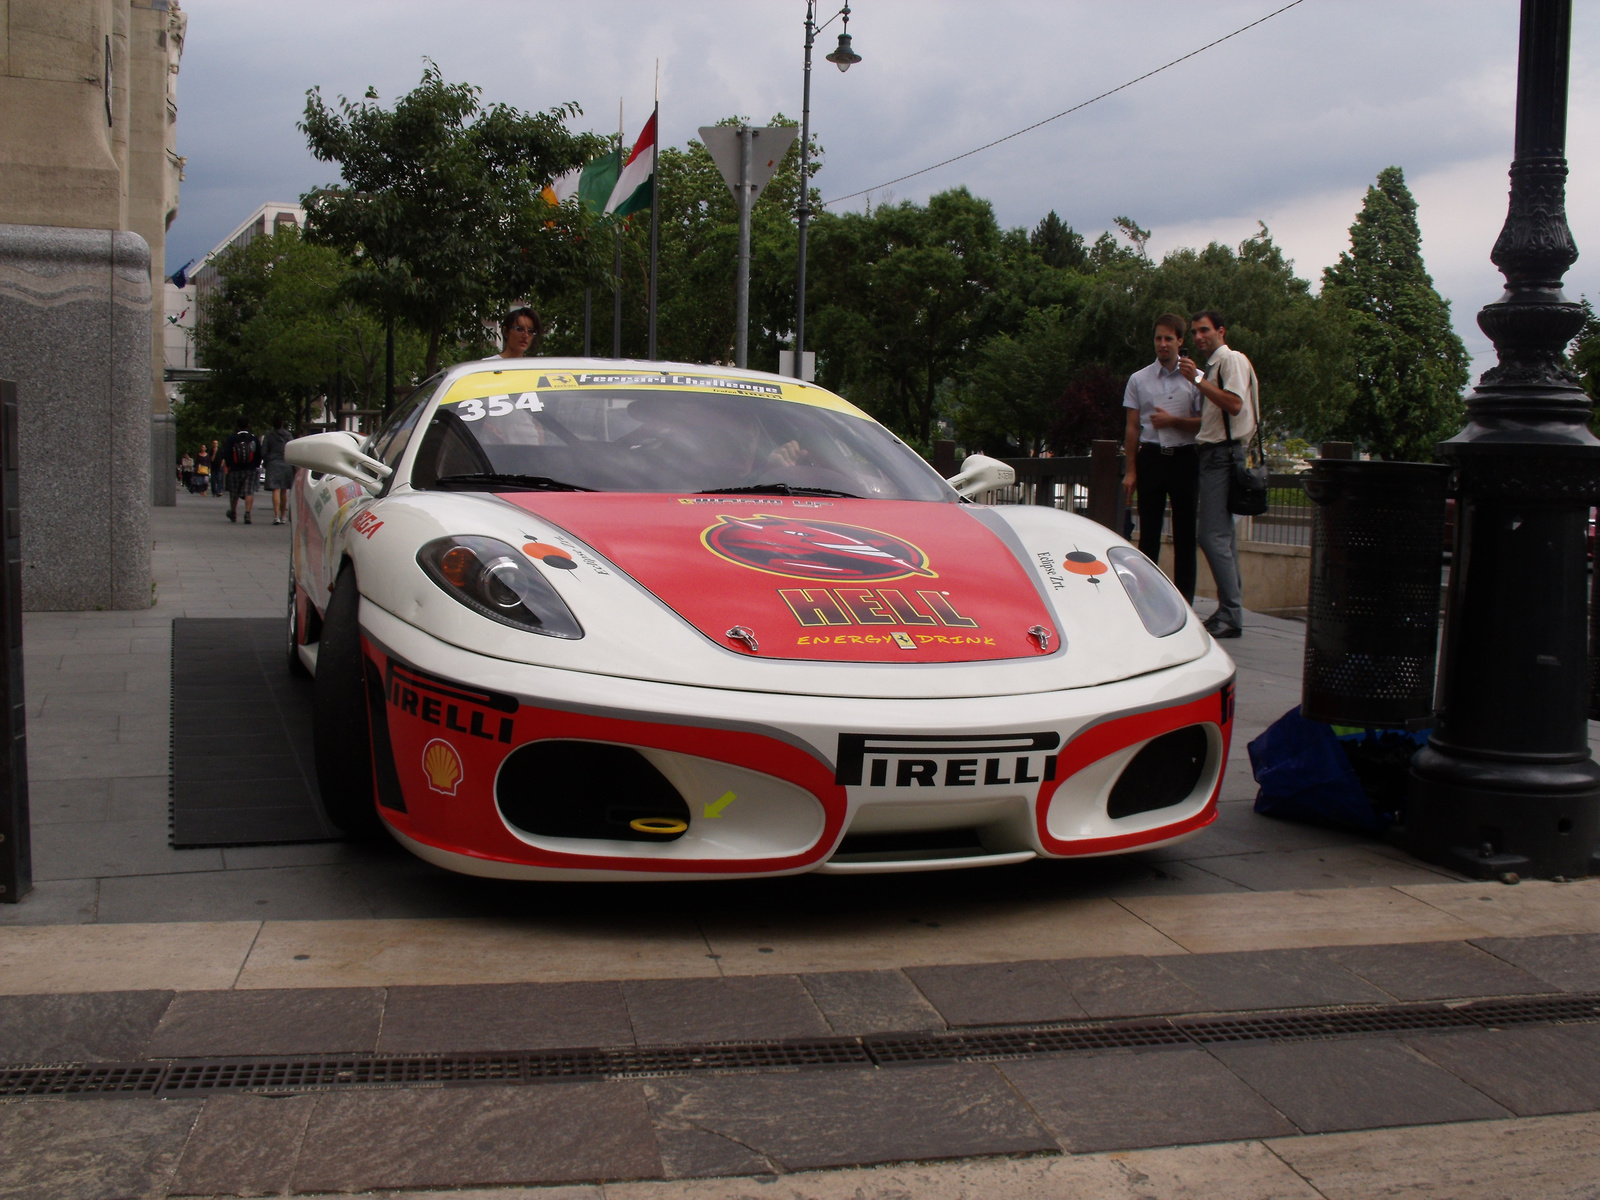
x=902, y=295
x=439, y=208
x=280, y=327
x=1408, y=366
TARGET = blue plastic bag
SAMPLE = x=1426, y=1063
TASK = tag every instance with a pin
x=1305, y=775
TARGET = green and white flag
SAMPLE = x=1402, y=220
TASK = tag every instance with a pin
x=591, y=183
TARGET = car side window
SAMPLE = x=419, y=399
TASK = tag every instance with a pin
x=389, y=443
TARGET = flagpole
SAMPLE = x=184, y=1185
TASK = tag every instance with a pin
x=655, y=207
x=616, y=260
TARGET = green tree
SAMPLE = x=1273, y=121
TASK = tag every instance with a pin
x=1407, y=363
x=281, y=326
x=1299, y=352
x=1057, y=244
x=1009, y=397
x=902, y=295
x=439, y=208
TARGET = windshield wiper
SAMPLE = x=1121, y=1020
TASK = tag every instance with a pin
x=491, y=481
x=777, y=489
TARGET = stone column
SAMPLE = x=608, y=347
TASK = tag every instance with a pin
x=75, y=311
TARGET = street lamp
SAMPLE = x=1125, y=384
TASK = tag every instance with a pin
x=1506, y=784
x=844, y=58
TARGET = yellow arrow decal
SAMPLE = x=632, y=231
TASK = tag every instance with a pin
x=714, y=809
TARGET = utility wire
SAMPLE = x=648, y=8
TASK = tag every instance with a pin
x=1066, y=112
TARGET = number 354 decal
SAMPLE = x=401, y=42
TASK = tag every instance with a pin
x=477, y=408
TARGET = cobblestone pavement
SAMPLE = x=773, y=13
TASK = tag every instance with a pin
x=1226, y=970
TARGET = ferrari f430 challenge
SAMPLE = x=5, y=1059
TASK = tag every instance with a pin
x=574, y=619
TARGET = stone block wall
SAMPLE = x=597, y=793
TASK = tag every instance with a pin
x=75, y=336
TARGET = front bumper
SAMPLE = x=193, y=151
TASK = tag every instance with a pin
x=773, y=783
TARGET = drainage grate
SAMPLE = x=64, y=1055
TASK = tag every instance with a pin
x=99, y=1079
x=1535, y=1010
x=1293, y=1026
x=1020, y=1043
x=311, y=1073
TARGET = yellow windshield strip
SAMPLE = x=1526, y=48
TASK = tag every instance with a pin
x=503, y=382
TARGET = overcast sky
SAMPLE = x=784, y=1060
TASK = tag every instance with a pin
x=1287, y=123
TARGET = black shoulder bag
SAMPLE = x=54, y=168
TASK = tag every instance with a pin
x=1247, y=486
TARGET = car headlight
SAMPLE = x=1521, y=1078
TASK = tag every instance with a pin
x=495, y=581
x=1157, y=602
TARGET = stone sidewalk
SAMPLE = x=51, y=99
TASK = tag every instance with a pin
x=165, y=961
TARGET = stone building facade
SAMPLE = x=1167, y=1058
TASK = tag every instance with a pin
x=89, y=176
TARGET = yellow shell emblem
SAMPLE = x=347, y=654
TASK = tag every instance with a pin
x=442, y=765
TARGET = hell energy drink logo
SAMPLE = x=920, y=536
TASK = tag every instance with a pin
x=821, y=550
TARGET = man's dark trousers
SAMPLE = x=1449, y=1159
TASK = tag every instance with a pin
x=1173, y=473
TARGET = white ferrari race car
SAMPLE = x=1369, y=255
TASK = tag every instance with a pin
x=578, y=619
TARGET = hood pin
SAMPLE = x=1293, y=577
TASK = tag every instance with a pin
x=743, y=633
x=1041, y=635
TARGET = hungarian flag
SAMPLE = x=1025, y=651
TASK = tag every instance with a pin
x=635, y=186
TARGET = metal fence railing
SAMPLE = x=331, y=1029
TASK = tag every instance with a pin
x=1287, y=521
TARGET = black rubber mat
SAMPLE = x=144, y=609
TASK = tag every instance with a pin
x=242, y=772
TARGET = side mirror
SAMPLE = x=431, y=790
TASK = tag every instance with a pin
x=337, y=453
x=980, y=473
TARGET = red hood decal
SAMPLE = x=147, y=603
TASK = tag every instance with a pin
x=821, y=581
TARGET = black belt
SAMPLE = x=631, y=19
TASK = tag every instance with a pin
x=1168, y=450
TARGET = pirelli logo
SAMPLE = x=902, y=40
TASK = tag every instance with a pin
x=472, y=711
x=934, y=760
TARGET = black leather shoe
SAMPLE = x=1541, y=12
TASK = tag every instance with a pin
x=1220, y=631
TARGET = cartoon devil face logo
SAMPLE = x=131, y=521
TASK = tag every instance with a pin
x=825, y=550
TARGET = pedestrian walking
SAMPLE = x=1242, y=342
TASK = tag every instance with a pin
x=1162, y=462
x=202, y=471
x=241, y=455
x=1228, y=417
x=280, y=475
x=521, y=331
x=217, y=471
x=186, y=472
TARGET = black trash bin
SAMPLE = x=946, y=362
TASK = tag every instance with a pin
x=1372, y=622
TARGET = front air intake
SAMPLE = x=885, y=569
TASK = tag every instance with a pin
x=1164, y=773
x=566, y=789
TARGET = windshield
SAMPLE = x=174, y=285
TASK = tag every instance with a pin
x=653, y=433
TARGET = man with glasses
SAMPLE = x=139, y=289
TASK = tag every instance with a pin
x=1227, y=383
x=521, y=331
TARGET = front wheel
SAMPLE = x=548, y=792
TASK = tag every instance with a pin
x=342, y=735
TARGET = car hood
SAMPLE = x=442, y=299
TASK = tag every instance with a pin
x=835, y=597
x=820, y=580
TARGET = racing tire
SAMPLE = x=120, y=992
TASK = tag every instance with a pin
x=342, y=736
x=297, y=669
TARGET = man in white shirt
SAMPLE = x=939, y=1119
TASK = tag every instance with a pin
x=1227, y=423
x=1162, y=463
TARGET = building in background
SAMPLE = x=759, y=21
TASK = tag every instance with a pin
x=89, y=176
x=269, y=218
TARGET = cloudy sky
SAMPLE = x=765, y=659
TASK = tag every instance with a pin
x=1287, y=123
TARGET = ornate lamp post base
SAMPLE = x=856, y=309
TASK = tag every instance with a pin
x=1506, y=782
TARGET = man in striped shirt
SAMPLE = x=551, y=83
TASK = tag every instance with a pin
x=1163, y=418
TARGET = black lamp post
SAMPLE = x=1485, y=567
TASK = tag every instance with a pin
x=844, y=57
x=1506, y=783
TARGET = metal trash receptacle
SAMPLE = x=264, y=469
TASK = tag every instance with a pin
x=1372, y=619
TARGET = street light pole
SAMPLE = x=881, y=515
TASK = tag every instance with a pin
x=844, y=58
x=804, y=211
x=1506, y=783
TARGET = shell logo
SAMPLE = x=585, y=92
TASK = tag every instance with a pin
x=442, y=765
